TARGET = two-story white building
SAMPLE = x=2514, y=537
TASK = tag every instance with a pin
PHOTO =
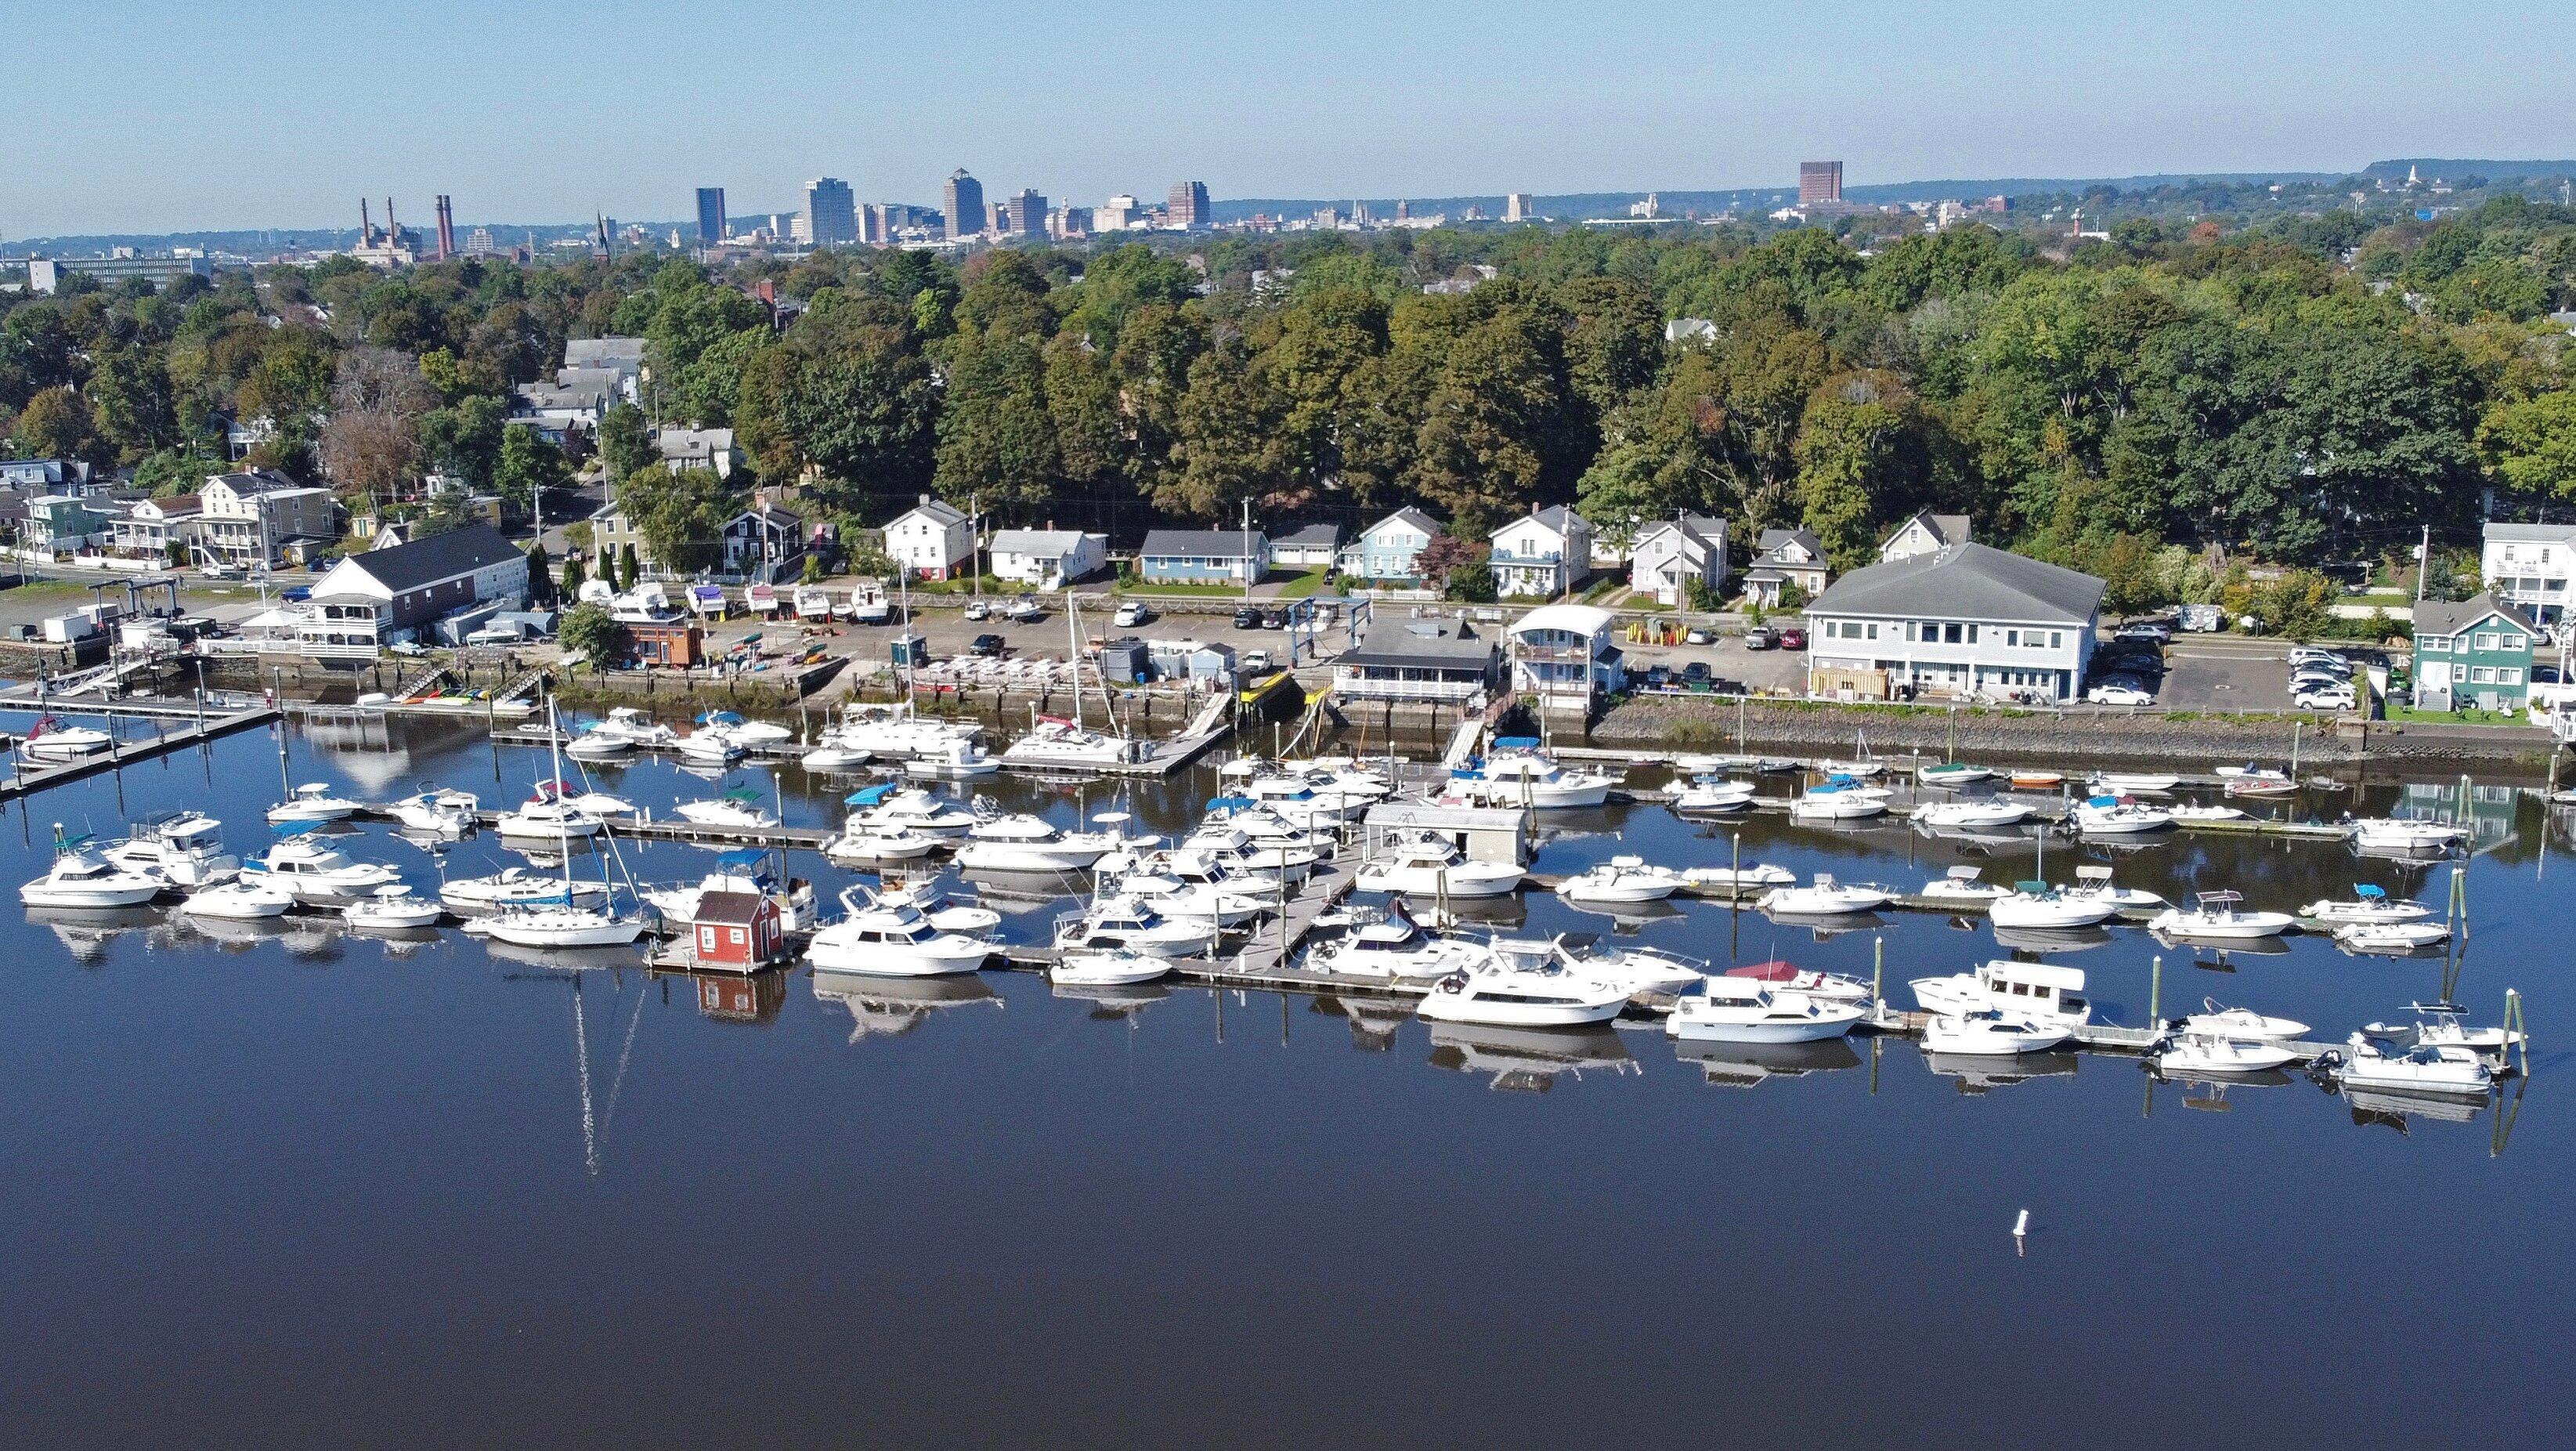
x=2530, y=567
x=1922, y=534
x=1565, y=655
x=261, y=518
x=1670, y=555
x=1787, y=558
x=1957, y=621
x=1542, y=554
x=931, y=539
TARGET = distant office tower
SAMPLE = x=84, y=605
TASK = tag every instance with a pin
x=1121, y=214
x=711, y=217
x=1819, y=181
x=1520, y=206
x=965, y=205
x=446, y=229
x=831, y=213
x=1403, y=210
x=1024, y=215
x=800, y=229
x=1189, y=205
x=478, y=243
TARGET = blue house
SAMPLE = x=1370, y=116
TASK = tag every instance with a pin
x=1389, y=551
x=1203, y=556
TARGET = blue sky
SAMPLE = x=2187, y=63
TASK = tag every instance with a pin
x=167, y=116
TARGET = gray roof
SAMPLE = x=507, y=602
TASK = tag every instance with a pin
x=2449, y=617
x=2532, y=533
x=1965, y=582
x=1946, y=528
x=1043, y=543
x=1554, y=516
x=604, y=352
x=257, y=481
x=940, y=511
x=1772, y=539
x=404, y=567
x=1702, y=527
x=1408, y=515
x=1312, y=536
x=1422, y=645
x=1196, y=544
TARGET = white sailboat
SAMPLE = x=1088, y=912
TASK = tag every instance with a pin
x=1055, y=743
x=565, y=922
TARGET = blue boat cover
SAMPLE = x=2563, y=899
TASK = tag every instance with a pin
x=869, y=795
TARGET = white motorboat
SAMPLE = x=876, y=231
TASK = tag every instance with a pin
x=1519, y=772
x=1840, y=799
x=1632, y=970
x=2398, y=834
x=2444, y=1025
x=49, y=743
x=1133, y=924
x=2428, y=1069
x=1054, y=743
x=392, y=909
x=956, y=760
x=1964, y=885
x=1112, y=968
x=2260, y=781
x=738, y=809
x=1521, y=997
x=1990, y=1034
x=434, y=811
x=748, y=732
x=2040, y=992
x=1227, y=902
x=748, y=871
x=1426, y=865
x=81, y=878
x=2037, y=904
x=897, y=732
x=182, y=848
x=597, y=744
x=2218, y=917
x=2223, y=1022
x=2392, y=937
x=311, y=805
x=238, y=900
x=633, y=726
x=1993, y=811
x=560, y=926
x=1258, y=844
x=311, y=870
x=2188, y=813
x=1825, y=897
x=945, y=912
x=2112, y=816
x=2093, y=884
x=911, y=808
x=1708, y=794
x=1020, y=843
x=869, y=606
x=1742, y=1010
x=712, y=745
x=2368, y=904
x=890, y=937
x=2217, y=1054
x=549, y=815
x=1789, y=977
x=869, y=841
x=1950, y=775
x=2133, y=783
x=832, y=760
x=1622, y=879
x=814, y=603
x=516, y=887
x=1393, y=948
x=1760, y=874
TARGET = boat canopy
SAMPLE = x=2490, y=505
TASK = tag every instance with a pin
x=742, y=793
x=1516, y=743
x=749, y=856
x=2033, y=889
x=1232, y=803
x=1775, y=970
x=2100, y=801
x=2036, y=974
x=2368, y=893
x=869, y=795
x=1966, y=872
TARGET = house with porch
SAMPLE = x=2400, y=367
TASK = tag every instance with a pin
x=932, y=539
x=1047, y=558
x=1923, y=534
x=259, y=519
x=1785, y=558
x=1564, y=655
x=712, y=449
x=1671, y=555
x=1960, y=621
x=60, y=524
x=2529, y=567
x=1446, y=661
x=1203, y=556
x=410, y=586
x=1389, y=552
x=155, y=528
x=2473, y=653
x=1542, y=554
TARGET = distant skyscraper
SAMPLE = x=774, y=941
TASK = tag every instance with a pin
x=1121, y=213
x=1819, y=181
x=1189, y=205
x=965, y=205
x=711, y=217
x=1520, y=206
x=831, y=213
x=1403, y=210
x=1025, y=215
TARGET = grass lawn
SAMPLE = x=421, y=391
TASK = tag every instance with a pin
x=1183, y=591
x=1303, y=585
x=2407, y=714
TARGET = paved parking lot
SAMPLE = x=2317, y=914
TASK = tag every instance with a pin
x=2226, y=674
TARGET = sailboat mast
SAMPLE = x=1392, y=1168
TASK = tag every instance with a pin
x=1073, y=647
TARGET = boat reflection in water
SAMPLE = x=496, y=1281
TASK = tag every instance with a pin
x=85, y=932
x=565, y=959
x=1374, y=1021
x=1528, y=1060
x=2053, y=939
x=1627, y=919
x=1017, y=892
x=1747, y=1065
x=1984, y=1074
x=888, y=1007
x=1112, y=1004
x=2400, y=1111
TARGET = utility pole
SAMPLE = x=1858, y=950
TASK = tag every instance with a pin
x=1247, y=551
x=975, y=549
x=2423, y=563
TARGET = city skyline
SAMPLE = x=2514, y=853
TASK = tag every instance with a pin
x=1369, y=113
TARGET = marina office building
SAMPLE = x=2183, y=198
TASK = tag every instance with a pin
x=1955, y=621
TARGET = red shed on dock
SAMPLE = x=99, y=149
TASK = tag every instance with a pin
x=737, y=930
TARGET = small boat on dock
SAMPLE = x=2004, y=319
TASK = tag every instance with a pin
x=239, y=900
x=2117, y=816
x=1426, y=865
x=312, y=804
x=2214, y=1020
x=1521, y=997
x=2037, y=780
x=2219, y=917
x=2368, y=903
x=738, y=809
x=1989, y=1034
x=2041, y=992
x=2394, y=938
x=2039, y=905
x=2402, y=835
x=2427, y=1069
x=436, y=811
x=1825, y=897
x=1839, y=799
x=1710, y=793
x=1950, y=775
x=2197, y=1054
x=1955, y=815
x=1745, y=1010
x=1964, y=884
x=392, y=909
x=2134, y=783
x=1622, y=879
x=1112, y=968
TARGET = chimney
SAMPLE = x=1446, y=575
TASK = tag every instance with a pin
x=366, y=224
x=393, y=231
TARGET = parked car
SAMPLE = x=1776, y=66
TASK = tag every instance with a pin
x=985, y=644
x=2155, y=630
x=1793, y=638
x=2120, y=692
x=1274, y=619
x=2323, y=699
x=1760, y=637
x=2202, y=619
x=977, y=609
x=1256, y=662
x=1659, y=677
x=1026, y=609
x=1130, y=615
x=1697, y=676
x=2315, y=655
x=1247, y=618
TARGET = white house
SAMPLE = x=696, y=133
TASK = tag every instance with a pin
x=2528, y=566
x=251, y=515
x=1957, y=621
x=406, y=587
x=156, y=524
x=931, y=539
x=1564, y=655
x=1787, y=557
x=1922, y=534
x=1671, y=553
x=1543, y=553
x=1390, y=550
x=1047, y=558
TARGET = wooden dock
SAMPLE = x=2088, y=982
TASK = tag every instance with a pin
x=30, y=780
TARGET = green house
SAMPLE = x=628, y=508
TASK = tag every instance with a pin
x=2472, y=653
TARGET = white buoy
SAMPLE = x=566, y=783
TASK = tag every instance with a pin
x=2021, y=1224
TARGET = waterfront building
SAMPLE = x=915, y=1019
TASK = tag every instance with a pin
x=932, y=539
x=2473, y=653
x=1565, y=655
x=1957, y=621
x=266, y=519
x=1047, y=558
x=1443, y=661
x=1672, y=554
x=2528, y=566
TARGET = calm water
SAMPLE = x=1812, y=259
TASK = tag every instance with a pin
x=307, y=1189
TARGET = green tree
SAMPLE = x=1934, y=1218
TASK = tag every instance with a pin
x=2531, y=443
x=625, y=444
x=627, y=571
x=586, y=629
x=996, y=436
x=541, y=578
x=58, y=423
x=680, y=515
x=849, y=393
x=529, y=463
x=463, y=439
x=1859, y=465
x=573, y=578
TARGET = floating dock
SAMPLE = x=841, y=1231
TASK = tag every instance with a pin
x=32, y=779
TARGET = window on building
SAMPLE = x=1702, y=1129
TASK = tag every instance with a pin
x=2514, y=642
x=2482, y=675
x=1873, y=630
x=2508, y=675
x=1950, y=633
x=2483, y=640
x=1972, y=634
x=734, y=935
